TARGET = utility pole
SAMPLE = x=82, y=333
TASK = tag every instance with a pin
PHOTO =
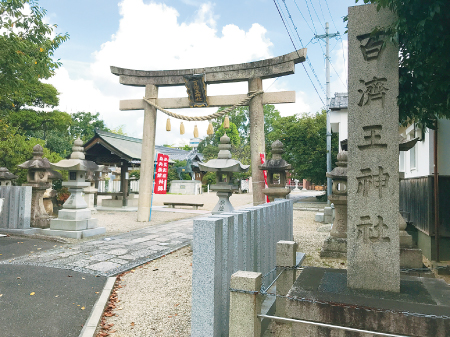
x=327, y=37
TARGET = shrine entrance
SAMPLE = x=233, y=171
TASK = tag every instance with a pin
x=196, y=81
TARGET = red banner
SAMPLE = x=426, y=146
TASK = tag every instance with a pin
x=262, y=156
x=162, y=167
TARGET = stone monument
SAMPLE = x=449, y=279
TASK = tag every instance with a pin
x=335, y=245
x=38, y=178
x=368, y=296
x=74, y=220
x=224, y=166
x=276, y=166
x=373, y=188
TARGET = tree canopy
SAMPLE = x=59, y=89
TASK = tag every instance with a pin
x=304, y=139
x=422, y=33
x=26, y=54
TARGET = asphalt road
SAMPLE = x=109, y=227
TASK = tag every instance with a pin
x=42, y=301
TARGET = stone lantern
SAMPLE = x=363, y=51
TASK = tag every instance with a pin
x=224, y=167
x=38, y=178
x=277, y=166
x=74, y=220
x=6, y=177
x=336, y=245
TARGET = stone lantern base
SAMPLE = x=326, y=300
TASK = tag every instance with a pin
x=224, y=205
x=74, y=224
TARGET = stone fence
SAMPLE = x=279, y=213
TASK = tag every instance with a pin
x=225, y=243
x=16, y=209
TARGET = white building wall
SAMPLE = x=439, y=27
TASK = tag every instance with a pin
x=425, y=152
x=339, y=123
x=417, y=164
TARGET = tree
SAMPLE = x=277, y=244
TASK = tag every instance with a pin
x=16, y=149
x=422, y=33
x=241, y=118
x=304, y=139
x=84, y=124
x=26, y=54
x=38, y=123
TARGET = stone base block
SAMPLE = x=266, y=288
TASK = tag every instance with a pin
x=72, y=225
x=321, y=295
x=22, y=231
x=41, y=222
x=335, y=248
x=319, y=217
x=328, y=215
x=406, y=240
x=73, y=234
x=411, y=258
x=119, y=203
x=74, y=214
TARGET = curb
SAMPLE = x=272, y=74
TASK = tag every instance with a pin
x=97, y=311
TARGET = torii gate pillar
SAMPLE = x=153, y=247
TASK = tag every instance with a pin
x=147, y=155
x=257, y=140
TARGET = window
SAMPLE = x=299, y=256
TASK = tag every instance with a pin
x=401, y=167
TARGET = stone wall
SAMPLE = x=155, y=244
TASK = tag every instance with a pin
x=225, y=243
x=16, y=210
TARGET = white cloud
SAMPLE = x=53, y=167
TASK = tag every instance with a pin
x=150, y=37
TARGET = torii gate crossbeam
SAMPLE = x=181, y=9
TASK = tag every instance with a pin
x=252, y=72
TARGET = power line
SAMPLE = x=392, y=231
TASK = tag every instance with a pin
x=282, y=19
x=342, y=41
x=314, y=8
x=307, y=6
x=307, y=58
x=304, y=18
x=320, y=5
x=337, y=73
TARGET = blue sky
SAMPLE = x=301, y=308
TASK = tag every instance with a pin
x=177, y=34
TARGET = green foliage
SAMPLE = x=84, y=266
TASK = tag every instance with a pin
x=241, y=118
x=26, y=54
x=135, y=173
x=15, y=149
x=239, y=134
x=119, y=130
x=422, y=33
x=232, y=132
x=186, y=148
x=31, y=122
x=209, y=178
x=304, y=139
x=84, y=123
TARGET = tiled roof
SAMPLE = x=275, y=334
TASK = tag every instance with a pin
x=339, y=101
x=131, y=148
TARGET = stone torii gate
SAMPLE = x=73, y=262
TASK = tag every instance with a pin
x=252, y=72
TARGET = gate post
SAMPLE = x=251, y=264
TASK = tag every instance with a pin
x=148, y=155
x=257, y=140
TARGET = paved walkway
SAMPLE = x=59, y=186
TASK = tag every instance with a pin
x=111, y=256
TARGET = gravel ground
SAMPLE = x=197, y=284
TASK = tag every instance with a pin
x=153, y=299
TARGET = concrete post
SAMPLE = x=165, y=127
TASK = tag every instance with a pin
x=148, y=155
x=286, y=255
x=244, y=307
x=257, y=140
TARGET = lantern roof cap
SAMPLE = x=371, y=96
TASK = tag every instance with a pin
x=340, y=171
x=37, y=162
x=224, y=162
x=76, y=161
x=6, y=175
